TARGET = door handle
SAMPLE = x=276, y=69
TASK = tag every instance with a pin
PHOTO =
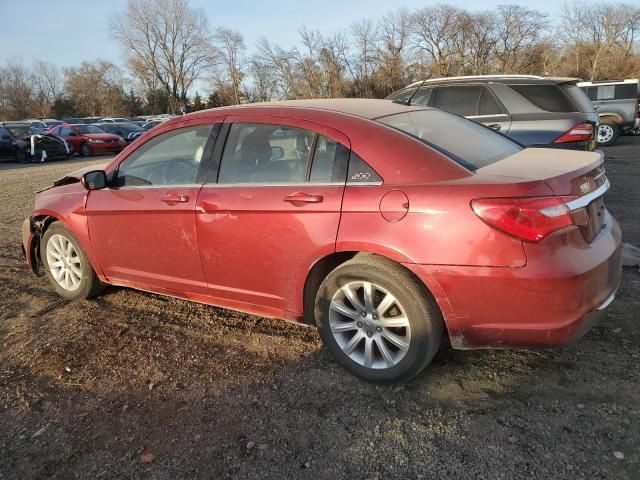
x=301, y=197
x=495, y=126
x=173, y=198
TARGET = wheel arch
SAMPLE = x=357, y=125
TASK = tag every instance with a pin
x=611, y=116
x=326, y=264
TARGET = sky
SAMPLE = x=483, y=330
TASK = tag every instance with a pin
x=68, y=32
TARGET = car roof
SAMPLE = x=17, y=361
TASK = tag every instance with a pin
x=511, y=79
x=361, y=107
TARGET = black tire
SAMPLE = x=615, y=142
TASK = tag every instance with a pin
x=612, y=133
x=21, y=157
x=424, y=318
x=85, y=151
x=89, y=285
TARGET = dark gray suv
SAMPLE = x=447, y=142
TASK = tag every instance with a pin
x=535, y=111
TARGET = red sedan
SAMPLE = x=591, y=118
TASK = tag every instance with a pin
x=384, y=225
x=88, y=139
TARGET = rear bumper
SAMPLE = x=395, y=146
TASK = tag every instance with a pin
x=556, y=298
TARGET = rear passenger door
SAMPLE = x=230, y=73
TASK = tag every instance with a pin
x=270, y=210
x=491, y=113
x=475, y=102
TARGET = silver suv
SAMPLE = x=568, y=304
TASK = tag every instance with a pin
x=535, y=111
x=618, y=108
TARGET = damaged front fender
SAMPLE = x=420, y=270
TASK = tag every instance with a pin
x=32, y=230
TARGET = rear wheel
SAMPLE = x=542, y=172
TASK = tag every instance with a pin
x=85, y=151
x=608, y=133
x=66, y=265
x=377, y=320
x=21, y=157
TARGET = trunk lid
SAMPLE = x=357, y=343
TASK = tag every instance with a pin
x=579, y=175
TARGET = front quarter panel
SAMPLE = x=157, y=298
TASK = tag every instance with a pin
x=66, y=204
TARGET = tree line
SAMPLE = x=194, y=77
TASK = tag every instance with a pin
x=170, y=48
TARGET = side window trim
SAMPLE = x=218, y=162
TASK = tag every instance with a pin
x=212, y=173
x=203, y=167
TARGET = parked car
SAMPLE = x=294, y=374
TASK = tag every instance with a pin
x=535, y=111
x=52, y=122
x=617, y=102
x=149, y=125
x=88, y=139
x=129, y=131
x=74, y=121
x=383, y=224
x=23, y=143
x=114, y=120
x=38, y=125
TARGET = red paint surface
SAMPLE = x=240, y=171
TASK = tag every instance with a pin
x=251, y=248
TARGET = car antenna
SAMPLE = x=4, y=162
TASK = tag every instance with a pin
x=407, y=102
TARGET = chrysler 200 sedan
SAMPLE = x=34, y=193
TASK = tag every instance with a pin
x=387, y=226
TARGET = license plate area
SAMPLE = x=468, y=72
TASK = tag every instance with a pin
x=590, y=219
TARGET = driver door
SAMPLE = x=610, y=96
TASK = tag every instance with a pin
x=143, y=226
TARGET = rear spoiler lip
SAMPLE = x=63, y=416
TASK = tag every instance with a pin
x=585, y=200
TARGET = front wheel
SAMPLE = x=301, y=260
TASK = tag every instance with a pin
x=21, y=157
x=85, y=151
x=66, y=265
x=377, y=320
x=608, y=134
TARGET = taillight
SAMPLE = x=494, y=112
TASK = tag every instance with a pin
x=530, y=219
x=583, y=132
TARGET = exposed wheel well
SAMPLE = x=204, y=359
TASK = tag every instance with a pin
x=39, y=226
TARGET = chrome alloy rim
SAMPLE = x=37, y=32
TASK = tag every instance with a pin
x=369, y=324
x=64, y=262
x=605, y=133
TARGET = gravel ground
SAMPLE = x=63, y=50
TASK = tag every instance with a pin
x=135, y=385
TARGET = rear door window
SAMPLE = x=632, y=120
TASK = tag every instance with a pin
x=488, y=104
x=546, y=97
x=467, y=143
x=462, y=100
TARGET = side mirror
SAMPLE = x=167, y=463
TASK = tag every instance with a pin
x=72, y=134
x=94, y=180
x=277, y=153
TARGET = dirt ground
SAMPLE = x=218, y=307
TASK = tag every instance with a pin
x=135, y=385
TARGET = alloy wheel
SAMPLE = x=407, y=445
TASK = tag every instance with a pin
x=369, y=324
x=64, y=262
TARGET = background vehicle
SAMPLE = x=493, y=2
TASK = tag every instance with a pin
x=535, y=111
x=88, y=139
x=150, y=124
x=39, y=125
x=22, y=143
x=74, y=121
x=379, y=222
x=114, y=120
x=129, y=131
x=617, y=105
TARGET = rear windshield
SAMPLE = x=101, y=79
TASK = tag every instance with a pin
x=578, y=96
x=546, y=97
x=468, y=143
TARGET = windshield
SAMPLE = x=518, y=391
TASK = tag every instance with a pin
x=468, y=143
x=84, y=129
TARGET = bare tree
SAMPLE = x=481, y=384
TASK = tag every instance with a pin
x=95, y=87
x=519, y=30
x=364, y=35
x=168, y=39
x=17, y=90
x=230, y=54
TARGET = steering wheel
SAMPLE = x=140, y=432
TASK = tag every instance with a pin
x=174, y=172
